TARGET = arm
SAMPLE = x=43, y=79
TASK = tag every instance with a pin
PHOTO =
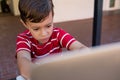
x=24, y=63
x=77, y=45
x=68, y=41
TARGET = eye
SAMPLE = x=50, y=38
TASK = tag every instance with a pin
x=49, y=25
x=36, y=29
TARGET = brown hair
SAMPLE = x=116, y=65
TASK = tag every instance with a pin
x=35, y=10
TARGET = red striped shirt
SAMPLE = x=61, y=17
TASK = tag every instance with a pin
x=57, y=41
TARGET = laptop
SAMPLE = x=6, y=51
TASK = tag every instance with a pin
x=96, y=63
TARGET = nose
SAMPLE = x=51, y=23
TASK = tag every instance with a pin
x=43, y=32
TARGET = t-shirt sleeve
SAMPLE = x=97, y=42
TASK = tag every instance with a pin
x=22, y=43
x=65, y=39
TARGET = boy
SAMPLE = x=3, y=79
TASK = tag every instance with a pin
x=41, y=37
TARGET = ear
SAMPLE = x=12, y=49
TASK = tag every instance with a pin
x=23, y=23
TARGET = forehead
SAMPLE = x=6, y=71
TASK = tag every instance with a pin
x=47, y=20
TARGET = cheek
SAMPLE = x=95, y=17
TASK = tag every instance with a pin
x=35, y=35
x=50, y=30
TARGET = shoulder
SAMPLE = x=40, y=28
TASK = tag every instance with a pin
x=57, y=29
x=57, y=32
x=24, y=35
x=61, y=32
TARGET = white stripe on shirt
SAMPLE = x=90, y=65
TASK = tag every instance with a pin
x=55, y=30
x=63, y=38
x=54, y=49
x=41, y=48
x=47, y=53
x=58, y=34
x=54, y=39
x=21, y=37
x=23, y=49
x=69, y=42
x=23, y=42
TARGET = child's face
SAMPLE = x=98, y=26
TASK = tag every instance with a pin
x=43, y=30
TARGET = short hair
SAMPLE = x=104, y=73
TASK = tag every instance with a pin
x=35, y=10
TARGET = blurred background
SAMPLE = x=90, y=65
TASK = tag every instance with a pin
x=74, y=16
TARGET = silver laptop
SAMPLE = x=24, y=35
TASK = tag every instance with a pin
x=98, y=63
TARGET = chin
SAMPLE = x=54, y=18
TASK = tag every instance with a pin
x=42, y=42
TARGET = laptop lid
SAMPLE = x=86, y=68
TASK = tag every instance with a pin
x=98, y=63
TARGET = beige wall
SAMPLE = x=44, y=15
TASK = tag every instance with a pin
x=106, y=5
x=14, y=6
x=67, y=10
